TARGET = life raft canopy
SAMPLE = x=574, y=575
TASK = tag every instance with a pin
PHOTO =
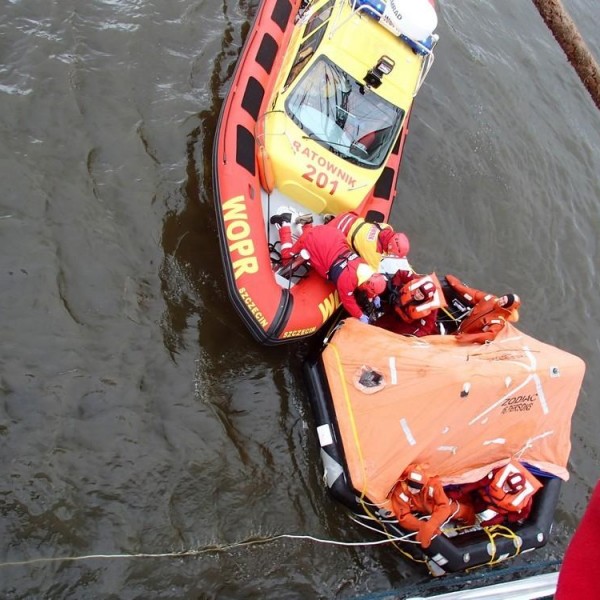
x=484, y=404
x=414, y=21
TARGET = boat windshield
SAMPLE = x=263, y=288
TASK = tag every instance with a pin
x=344, y=115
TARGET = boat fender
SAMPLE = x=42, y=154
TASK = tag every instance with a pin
x=265, y=170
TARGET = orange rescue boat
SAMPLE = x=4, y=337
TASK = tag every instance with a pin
x=315, y=119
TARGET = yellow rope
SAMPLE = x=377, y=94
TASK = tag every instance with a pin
x=448, y=313
x=495, y=531
x=391, y=538
x=351, y=416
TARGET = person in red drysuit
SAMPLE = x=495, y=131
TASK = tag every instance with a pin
x=578, y=576
x=407, y=320
x=371, y=240
x=416, y=492
x=488, y=315
x=332, y=258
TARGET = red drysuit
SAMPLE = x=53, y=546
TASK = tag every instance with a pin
x=328, y=248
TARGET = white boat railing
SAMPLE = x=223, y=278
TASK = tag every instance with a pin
x=529, y=588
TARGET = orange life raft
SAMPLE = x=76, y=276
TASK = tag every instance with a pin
x=463, y=410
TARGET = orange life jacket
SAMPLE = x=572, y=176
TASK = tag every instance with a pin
x=409, y=310
x=504, y=502
x=485, y=321
x=430, y=500
x=471, y=295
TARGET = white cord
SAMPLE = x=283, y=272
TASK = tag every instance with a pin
x=198, y=552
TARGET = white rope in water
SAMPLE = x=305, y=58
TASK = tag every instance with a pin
x=404, y=538
x=198, y=552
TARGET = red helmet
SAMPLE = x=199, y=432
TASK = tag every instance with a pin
x=375, y=285
x=514, y=483
x=398, y=245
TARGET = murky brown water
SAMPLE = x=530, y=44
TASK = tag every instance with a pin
x=136, y=414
